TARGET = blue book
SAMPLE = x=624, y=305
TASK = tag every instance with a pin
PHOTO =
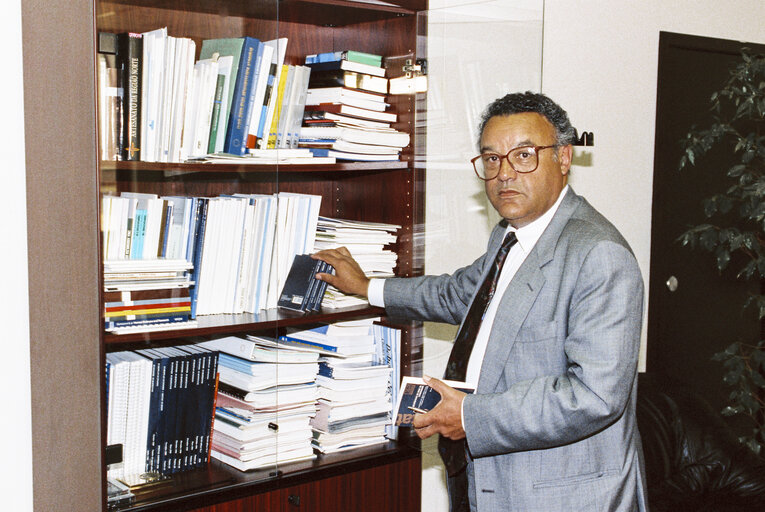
x=243, y=98
x=288, y=340
x=155, y=407
x=139, y=232
x=416, y=397
x=199, y=237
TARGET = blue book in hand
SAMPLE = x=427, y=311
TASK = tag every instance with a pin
x=417, y=397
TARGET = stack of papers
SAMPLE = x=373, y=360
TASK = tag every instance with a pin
x=354, y=401
x=342, y=339
x=368, y=243
x=266, y=397
x=147, y=295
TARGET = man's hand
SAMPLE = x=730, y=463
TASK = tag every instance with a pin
x=348, y=278
x=446, y=417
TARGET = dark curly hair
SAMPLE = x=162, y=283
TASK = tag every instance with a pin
x=519, y=102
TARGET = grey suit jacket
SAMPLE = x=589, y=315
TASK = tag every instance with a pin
x=552, y=424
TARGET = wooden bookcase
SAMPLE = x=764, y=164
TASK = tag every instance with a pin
x=65, y=182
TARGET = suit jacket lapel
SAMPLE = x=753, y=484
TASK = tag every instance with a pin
x=520, y=295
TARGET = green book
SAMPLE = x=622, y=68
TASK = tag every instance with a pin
x=363, y=58
x=224, y=47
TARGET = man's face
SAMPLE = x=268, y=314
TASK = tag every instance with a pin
x=523, y=198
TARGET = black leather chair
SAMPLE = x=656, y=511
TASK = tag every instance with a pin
x=693, y=460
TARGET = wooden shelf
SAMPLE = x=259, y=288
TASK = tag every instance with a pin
x=218, y=482
x=329, y=13
x=245, y=322
x=171, y=169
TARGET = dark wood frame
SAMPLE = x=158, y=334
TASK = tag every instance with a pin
x=64, y=180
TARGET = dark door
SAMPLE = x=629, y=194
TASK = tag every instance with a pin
x=704, y=314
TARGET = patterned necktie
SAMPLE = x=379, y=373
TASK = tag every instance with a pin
x=453, y=452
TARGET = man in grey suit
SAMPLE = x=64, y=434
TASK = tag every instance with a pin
x=551, y=425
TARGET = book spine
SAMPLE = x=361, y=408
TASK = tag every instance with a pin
x=132, y=55
x=289, y=340
x=113, y=324
x=239, y=120
x=216, y=113
x=198, y=243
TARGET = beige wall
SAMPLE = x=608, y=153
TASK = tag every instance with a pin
x=16, y=428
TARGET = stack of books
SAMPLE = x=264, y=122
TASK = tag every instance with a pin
x=147, y=295
x=261, y=420
x=369, y=244
x=354, y=406
x=346, y=115
x=160, y=409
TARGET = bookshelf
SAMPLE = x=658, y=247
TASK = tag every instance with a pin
x=65, y=181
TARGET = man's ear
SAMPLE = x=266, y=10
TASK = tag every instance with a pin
x=565, y=154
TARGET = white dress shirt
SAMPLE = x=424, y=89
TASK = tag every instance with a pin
x=527, y=236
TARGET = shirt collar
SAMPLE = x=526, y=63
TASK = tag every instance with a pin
x=529, y=234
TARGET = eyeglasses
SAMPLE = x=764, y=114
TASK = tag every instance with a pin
x=524, y=159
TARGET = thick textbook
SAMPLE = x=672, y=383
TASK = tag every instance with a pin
x=350, y=79
x=416, y=397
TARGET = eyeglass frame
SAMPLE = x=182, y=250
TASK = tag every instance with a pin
x=506, y=156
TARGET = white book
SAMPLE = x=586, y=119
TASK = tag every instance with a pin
x=152, y=73
x=184, y=74
x=164, y=119
x=236, y=210
x=245, y=266
x=106, y=212
x=302, y=78
x=280, y=248
x=288, y=110
x=117, y=227
x=224, y=68
x=205, y=280
x=128, y=205
x=357, y=134
x=252, y=351
x=284, y=111
x=199, y=108
x=259, y=92
x=345, y=96
x=277, y=60
x=267, y=212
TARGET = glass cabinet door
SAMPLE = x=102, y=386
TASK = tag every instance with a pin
x=477, y=51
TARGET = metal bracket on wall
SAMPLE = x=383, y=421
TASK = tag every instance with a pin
x=586, y=139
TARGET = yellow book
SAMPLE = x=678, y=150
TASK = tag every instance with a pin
x=278, y=109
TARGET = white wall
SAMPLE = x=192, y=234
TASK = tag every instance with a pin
x=16, y=427
x=599, y=62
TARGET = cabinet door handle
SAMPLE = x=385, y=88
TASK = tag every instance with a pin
x=293, y=499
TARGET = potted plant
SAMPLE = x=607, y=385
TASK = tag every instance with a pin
x=736, y=231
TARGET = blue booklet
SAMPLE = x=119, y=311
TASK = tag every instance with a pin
x=415, y=396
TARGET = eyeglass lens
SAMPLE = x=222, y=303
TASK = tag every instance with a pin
x=521, y=159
